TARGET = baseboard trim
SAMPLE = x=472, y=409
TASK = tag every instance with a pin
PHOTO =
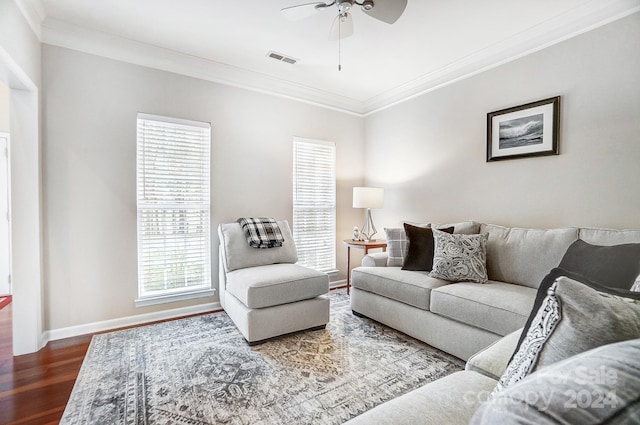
x=338, y=284
x=122, y=322
x=141, y=319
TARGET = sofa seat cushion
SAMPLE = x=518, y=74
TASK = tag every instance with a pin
x=275, y=284
x=450, y=400
x=409, y=287
x=495, y=306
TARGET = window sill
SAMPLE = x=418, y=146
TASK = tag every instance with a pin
x=169, y=298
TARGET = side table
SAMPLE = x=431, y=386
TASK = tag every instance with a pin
x=366, y=245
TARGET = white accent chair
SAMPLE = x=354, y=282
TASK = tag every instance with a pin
x=262, y=289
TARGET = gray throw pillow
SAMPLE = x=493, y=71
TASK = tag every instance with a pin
x=396, y=246
x=420, y=247
x=460, y=258
x=572, y=318
x=599, y=386
x=617, y=266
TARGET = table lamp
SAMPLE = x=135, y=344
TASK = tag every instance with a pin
x=368, y=197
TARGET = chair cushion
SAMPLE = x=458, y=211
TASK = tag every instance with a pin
x=275, y=284
x=237, y=254
x=409, y=287
x=495, y=306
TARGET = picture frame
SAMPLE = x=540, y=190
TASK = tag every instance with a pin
x=524, y=131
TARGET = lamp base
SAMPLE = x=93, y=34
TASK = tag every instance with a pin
x=368, y=228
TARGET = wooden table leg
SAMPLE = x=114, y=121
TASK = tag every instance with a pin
x=348, y=269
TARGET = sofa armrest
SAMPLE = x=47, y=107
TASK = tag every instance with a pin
x=450, y=400
x=375, y=259
x=492, y=360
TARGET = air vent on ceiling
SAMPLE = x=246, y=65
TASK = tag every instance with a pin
x=281, y=57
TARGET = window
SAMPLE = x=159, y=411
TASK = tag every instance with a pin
x=173, y=173
x=314, y=203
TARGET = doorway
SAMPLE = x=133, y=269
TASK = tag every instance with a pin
x=5, y=235
x=26, y=253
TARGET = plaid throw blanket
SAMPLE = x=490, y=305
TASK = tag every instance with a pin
x=262, y=232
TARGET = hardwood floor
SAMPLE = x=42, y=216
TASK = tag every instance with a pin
x=34, y=388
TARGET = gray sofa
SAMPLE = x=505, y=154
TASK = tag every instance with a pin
x=463, y=318
x=562, y=393
x=481, y=324
x=450, y=400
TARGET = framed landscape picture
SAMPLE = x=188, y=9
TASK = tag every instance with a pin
x=524, y=131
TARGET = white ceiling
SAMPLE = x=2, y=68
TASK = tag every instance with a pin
x=433, y=42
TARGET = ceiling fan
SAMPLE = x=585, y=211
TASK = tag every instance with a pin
x=384, y=10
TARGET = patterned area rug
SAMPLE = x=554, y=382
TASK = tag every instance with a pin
x=200, y=370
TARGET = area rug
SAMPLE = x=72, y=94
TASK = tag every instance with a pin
x=5, y=300
x=199, y=370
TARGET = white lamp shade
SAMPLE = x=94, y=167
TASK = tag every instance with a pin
x=368, y=197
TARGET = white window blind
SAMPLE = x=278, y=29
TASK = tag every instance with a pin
x=173, y=178
x=314, y=203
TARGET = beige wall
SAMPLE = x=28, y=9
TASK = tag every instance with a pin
x=90, y=107
x=429, y=153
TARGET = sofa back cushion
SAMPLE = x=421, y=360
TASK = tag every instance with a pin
x=525, y=256
x=608, y=237
x=237, y=254
x=464, y=227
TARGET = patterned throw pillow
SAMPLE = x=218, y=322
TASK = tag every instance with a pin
x=572, y=317
x=396, y=246
x=599, y=386
x=460, y=258
x=636, y=285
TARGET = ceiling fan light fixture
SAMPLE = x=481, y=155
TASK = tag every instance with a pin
x=344, y=5
x=367, y=5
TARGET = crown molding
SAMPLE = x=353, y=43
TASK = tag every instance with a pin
x=562, y=27
x=34, y=13
x=546, y=34
x=62, y=34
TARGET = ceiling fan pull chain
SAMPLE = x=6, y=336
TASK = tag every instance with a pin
x=339, y=44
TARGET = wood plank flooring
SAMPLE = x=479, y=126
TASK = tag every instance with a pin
x=34, y=388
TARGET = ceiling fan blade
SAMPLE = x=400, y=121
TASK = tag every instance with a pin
x=302, y=11
x=342, y=27
x=387, y=10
